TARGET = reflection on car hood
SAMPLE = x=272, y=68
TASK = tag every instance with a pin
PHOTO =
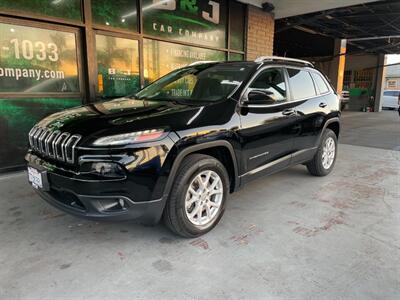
x=123, y=115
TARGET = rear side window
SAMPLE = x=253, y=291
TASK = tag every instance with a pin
x=301, y=84
x=320, y=83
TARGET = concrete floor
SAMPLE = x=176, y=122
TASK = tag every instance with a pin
x=380, y=130
x=288, y=236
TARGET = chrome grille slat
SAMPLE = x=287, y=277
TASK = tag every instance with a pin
x=49, y=143
x=54, y=144
x=57, y=145
x=31, y=134
x=59, y=151
x=36, y=139
x=70, y=147
x=42, y=148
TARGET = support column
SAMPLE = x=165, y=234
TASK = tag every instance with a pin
x=336, y=72
x=260, y=33
x=89, y=50
x=380, y=82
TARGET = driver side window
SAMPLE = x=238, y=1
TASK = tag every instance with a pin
x=271, y=81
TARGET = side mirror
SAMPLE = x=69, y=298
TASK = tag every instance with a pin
x=259, y=97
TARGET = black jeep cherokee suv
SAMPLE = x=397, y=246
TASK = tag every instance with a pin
x=177, y=148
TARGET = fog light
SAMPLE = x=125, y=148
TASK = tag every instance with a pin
x=113, y=205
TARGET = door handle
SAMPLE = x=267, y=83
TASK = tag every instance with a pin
x=288, y=112
x=323, y=104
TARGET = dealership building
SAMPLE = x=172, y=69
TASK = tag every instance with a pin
x=57, y=54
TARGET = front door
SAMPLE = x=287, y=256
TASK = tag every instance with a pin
x=267, y=127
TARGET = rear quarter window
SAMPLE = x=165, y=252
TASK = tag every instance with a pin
x=301, y=84
x=320, y=83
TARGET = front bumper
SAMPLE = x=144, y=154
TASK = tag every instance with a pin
x=104, y=207
x=114, y=200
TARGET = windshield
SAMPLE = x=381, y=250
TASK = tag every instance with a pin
x=201, y=83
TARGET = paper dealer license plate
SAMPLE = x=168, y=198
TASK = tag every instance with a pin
x=35, y=178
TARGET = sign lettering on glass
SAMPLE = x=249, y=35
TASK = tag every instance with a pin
x=34, y=60
x=161, y=58
x=194, y=21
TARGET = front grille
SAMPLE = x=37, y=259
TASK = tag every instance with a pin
x=54, y=144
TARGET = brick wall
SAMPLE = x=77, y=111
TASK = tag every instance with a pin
x=260, y=33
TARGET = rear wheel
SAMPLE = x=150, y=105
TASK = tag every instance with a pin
x=197, y=199
x=325, y=158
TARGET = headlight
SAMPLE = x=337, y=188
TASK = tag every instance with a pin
x=129, y=138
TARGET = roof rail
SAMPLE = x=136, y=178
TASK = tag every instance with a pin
x=202, y=62
x=281, y=58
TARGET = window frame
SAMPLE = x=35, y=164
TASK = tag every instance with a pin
x=39, y=25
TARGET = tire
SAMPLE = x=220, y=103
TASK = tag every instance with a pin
x=177, y=216
x=317, y=166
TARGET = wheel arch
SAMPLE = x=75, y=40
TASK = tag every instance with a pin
x=333, y=124
x=221, y=150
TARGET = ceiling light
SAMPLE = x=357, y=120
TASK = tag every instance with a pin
x=305, y=29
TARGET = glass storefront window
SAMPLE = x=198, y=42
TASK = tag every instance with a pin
x=35, y=60
x=118, y=66
x=236, y=57
x=237, y=24
x=65, y=9
x=198, y=22
x=120, y=14
x=161, y=58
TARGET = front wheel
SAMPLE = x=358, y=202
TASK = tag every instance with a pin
x=197, y=199
x=325, y=158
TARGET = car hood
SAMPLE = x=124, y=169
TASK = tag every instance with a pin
x=129, y=115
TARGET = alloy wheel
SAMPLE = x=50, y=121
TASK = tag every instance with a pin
x=203, y=198
x=328, y=153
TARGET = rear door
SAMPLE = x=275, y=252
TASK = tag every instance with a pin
x=311, y=106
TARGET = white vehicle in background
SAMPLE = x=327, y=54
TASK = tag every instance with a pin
x=344, y=99
x=391, y=99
